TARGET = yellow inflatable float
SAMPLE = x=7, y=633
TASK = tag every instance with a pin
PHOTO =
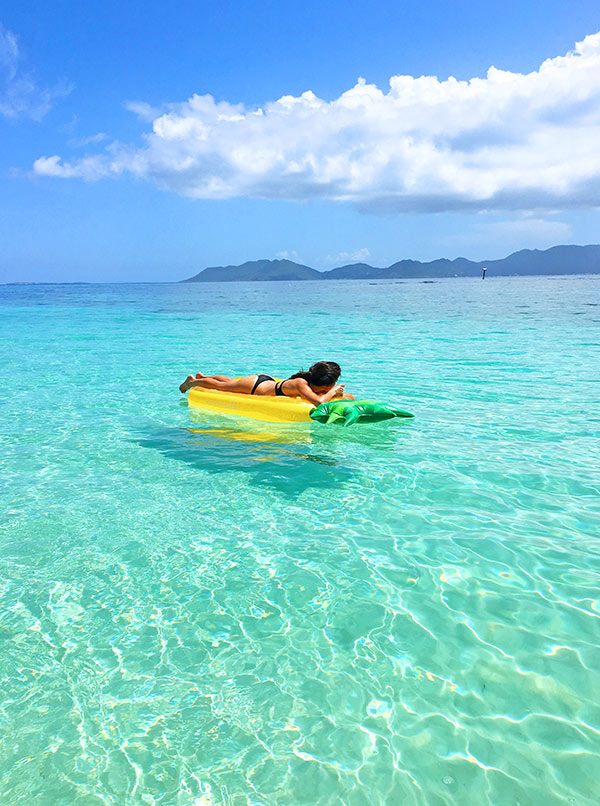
x=258, y=407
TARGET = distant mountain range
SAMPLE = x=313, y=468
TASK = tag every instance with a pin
x=557, y=260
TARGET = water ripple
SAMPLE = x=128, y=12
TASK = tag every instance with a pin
x=203, y=612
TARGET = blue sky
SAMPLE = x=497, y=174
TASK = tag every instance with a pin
x=109, y=172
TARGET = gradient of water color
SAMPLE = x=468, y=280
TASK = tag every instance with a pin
x=201, y=610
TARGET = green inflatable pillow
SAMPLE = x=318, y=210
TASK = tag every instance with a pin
x=348, y=412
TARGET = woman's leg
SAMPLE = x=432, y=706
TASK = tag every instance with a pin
x=221, y=382
x=216, y=377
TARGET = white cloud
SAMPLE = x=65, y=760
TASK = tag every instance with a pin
x=143, y=110
x=508, y=141
x=80, y=142
x=20, y=94
x=343, y=258
x=51, y=166
x=9, y=53
x=288, y=255
x=538, y=230
x=495, y=237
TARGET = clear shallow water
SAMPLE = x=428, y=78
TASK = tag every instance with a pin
x=200, y=610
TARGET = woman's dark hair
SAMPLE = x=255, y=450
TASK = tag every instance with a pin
x=323, y=373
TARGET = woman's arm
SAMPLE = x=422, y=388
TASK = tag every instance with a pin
x=304, y=391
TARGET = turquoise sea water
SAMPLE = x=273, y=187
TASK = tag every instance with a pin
x=204, y=611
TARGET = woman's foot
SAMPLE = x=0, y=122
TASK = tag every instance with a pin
x=187, y=383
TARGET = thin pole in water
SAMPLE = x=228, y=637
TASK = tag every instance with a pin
x=483, y=271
